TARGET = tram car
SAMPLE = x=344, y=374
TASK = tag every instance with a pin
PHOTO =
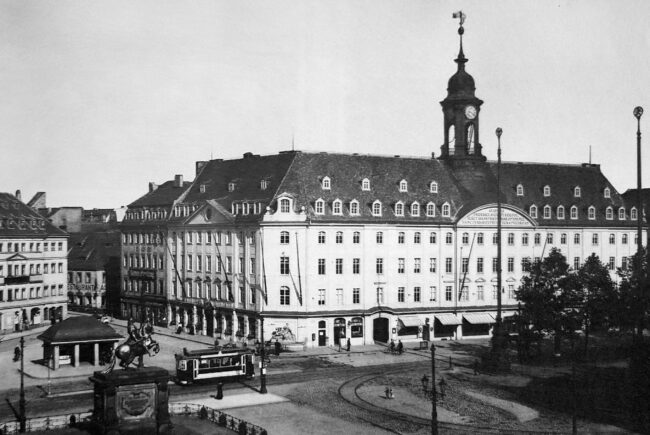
x=216, y=363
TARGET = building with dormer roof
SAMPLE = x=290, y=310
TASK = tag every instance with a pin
x=367, y=247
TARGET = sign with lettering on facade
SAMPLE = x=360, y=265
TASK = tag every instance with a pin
x=487, y=217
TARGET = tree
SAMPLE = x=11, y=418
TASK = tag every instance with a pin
x=549, y=296
x=595, y=293
x=632, y=300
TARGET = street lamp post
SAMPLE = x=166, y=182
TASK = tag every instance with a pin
x=497, y=327
x=263, y=356
x=638, y=111
x=21, y=403
x=434, y=411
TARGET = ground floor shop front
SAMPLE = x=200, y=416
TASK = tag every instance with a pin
x=13, y=319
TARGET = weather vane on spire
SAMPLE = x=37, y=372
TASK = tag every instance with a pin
x=461, y=16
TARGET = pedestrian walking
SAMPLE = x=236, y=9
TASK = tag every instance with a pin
x=348, y=345
x=16, y=353
x=278, y=348
x=392, y=346
x=400, y=347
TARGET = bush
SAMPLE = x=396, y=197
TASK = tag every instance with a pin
x=243, y=428
x=222, y=420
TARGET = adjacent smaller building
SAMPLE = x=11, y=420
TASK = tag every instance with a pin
x=78, y=339
x=33, y=267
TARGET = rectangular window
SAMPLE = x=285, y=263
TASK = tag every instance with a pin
x=284, y=265
x=355, y=237
x=321, y=296
x=400, y=294
x=379, y=266
x=448, y=293
x=511, y=291
x=576, y=238
x=321, y=266
x=416, y=238
x=199, y=263
x=432, y=238
x=417, y=266
x=339, y=266
x=511, y=264
x=228, y=264
x=208, y=263
x=612, y=263
x=479, y=265
x=189, y=262
x=356, y=295
x=495, y=264
x=432, y=265
x=417, y=294
x=284, y=296
x=252, y=266
x=400, y=265
x=356, y=265
x=448, y=265
x=380, y=295
x=208, y=238
x=494, y=291
x=624, y=263
x=448, y=238
x=339, y=296
x=464, y=265
x=380, y=237
x=479, y=292
x=576, y=263
x=433, y=292
x=594, y=239
x=464, y=294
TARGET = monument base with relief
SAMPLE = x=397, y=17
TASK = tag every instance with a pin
x=131, y=402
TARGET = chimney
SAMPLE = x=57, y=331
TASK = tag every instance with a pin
x=152, y=186
x=199, y=166
x=18, y=195
x=178, y=180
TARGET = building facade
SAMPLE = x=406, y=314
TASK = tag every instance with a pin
x=33, y=267
x=327, y=247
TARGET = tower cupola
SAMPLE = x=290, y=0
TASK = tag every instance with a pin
x=461, y=110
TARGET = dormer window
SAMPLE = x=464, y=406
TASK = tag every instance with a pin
x=319, y=206
x=560, y=212
x=577, y=192
x=609, y=213
x=354, y=207
x=446, y=210
x=633, y=214
x=547, y=190
x=607, y=193
x=574, y=212
x=325, y=184
x=621, y=214
x=431, y=210
x=399, y=209
x=547, y=212
x=202, y=188
x=415, y=209
x=532, y=211
x=591, y=213
x=231, y=186
x=403, y=186
x=376, y=208
x=285, y=205
x=433, y=187
x=365, y=184
x=264, y=184
x=520, y=190
x=337, y=207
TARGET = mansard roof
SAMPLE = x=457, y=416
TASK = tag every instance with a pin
x=19, y=220
x=463, y=186
x=163, y=196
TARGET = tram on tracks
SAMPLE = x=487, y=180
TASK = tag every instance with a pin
x=217, y=363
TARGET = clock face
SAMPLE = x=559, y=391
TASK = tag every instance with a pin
x=470, y=112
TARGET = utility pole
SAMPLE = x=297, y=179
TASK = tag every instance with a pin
x=21, y=403
x=434, y=411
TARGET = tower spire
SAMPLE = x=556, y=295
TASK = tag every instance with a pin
x=461, y=30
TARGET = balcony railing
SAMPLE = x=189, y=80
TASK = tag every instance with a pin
x=21, y=279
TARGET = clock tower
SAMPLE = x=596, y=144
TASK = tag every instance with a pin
x=461, y=110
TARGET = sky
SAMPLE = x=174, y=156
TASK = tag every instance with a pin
x=99, y=98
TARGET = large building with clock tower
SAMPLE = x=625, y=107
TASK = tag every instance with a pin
x=332, y=246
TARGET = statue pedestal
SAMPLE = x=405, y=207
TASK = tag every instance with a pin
x=131, y=402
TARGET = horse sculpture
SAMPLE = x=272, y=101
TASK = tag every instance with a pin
x=138, y=344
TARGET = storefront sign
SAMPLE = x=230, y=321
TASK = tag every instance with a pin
x=487, y=217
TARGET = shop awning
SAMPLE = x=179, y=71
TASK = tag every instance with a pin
x=477, y=318
x=448, y=319
x=410, y=321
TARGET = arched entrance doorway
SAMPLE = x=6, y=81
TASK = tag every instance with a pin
x=380, y=329
x=339, y=331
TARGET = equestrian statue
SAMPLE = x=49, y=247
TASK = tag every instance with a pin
x=138, y=344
